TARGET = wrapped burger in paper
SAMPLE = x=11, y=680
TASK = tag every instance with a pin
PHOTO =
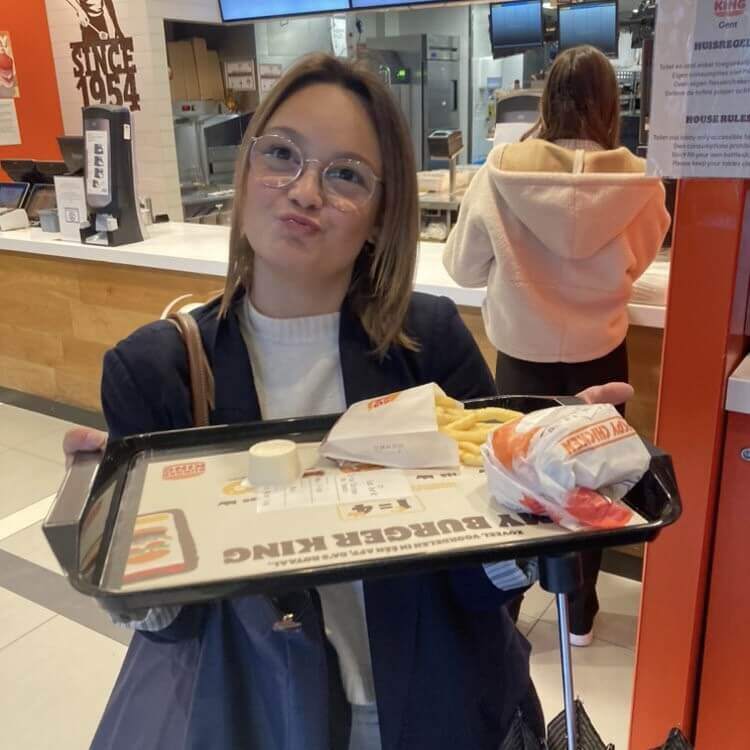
x=571, y=463
x=398, y=431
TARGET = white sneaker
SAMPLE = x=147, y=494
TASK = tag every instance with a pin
x=581, y=641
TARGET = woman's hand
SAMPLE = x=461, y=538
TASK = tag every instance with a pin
x=609, y=393
x=81, y=439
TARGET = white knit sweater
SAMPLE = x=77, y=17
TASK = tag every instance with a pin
x=297, y=372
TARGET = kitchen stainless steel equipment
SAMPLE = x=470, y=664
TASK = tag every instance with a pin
x=446, y=145
x=515, y=113
x=208, y=140
x=422, y=71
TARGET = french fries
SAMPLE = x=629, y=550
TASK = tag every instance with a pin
x=469, y=448
x=469, y=427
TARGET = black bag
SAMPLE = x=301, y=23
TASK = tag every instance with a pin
x=676, y=741
x=220, y=678
x=520, y=737
x=588, y=737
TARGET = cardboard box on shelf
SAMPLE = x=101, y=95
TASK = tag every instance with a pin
x=177, y=77
x=191, y=72
x=199, y=47
x=200, y=52
x=215, y=83
x=184, y=84
x=176, y=86
x=208, y=68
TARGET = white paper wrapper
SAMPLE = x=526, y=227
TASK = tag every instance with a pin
x=398, y=431
x=571, y=463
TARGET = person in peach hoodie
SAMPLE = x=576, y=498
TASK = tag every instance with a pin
x=558, y=227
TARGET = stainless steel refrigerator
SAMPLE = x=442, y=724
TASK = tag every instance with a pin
x=422, y=70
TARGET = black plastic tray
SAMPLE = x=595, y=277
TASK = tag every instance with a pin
x=88, y=504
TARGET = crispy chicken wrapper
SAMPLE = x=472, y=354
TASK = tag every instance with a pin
x=571, y=463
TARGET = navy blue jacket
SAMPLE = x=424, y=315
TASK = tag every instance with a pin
x=450, y=668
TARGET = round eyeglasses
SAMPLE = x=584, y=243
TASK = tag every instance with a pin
x=276, y=162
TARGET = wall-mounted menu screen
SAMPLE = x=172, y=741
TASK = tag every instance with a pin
x=387, y=3
x=589, y=23
x=516, y=25
x=250, y=10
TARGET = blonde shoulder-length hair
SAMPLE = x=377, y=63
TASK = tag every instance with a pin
x=381, y=284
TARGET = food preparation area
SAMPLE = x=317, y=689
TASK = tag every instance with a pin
x=48, y=632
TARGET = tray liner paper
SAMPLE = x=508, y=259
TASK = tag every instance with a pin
x=197, y=521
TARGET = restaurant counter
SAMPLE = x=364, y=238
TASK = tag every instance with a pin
x=66, y=303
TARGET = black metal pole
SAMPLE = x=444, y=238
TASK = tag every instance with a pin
x=561, y=575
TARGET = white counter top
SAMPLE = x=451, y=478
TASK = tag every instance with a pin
x=738, y=389
x=191, y=248
x=202, y=249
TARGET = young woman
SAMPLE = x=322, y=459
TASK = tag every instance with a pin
x=558, y=228
x=318, y=313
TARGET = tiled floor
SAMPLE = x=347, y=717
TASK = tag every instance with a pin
x=59, y=655
x=603, y=672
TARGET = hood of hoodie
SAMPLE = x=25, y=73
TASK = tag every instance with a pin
x=573, y=214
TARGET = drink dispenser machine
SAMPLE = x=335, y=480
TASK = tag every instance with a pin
x=113, y=215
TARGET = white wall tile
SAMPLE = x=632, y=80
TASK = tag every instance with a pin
x=143, y=20
x=186, y=10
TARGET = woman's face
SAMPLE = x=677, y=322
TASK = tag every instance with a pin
x=295, y=230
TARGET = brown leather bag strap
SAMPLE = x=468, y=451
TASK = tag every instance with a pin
x=201, y=377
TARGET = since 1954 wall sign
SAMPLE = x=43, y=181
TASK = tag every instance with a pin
x=103, y=59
